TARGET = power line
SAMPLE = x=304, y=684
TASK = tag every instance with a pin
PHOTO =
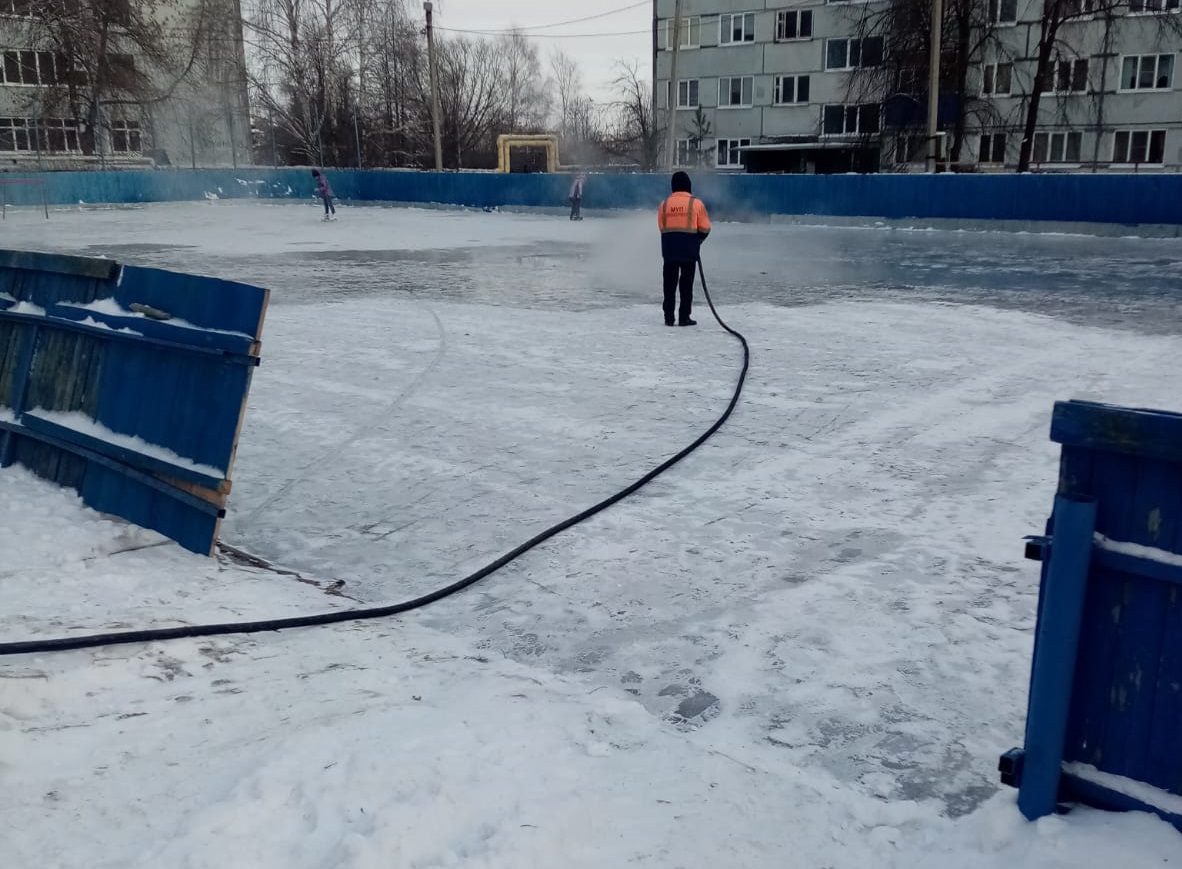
x=546, y=35
x=500, y=32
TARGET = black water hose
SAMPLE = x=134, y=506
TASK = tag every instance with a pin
x=153, y=635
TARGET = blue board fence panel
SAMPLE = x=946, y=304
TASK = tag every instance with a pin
x=1127, y=200
x=1117, y=696
x=127, y=384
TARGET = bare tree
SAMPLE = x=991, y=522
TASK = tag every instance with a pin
x=568, y=83
x=471, y=98
x=305, y=58
x=335, y=77
x=1053, y=15
x=526, y=102
x=578, y=119
x=900, y=76
x=391, y=70
x=633, y=131
x=1048, y=65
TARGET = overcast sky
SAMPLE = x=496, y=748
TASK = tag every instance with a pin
x=595, y=55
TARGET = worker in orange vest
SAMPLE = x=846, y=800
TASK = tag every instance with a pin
x=684, y=225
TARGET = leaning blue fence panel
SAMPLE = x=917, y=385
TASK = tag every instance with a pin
x=127, y=384
x=1106, y=683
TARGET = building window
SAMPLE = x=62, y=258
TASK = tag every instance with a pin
x=737, y=28
x=1003, y=11
x=1067, y=76
x=30, y=68
x=911, y=148
x=791, y=89
x=998, y=77
x=853, y=53
x=735, y=92
x=1147, y=72
x=993, y=148
x=692, y=152
x=1139, y=146
x=1057, y=147
x=1140, y=7
x=15, y=135
x=690, y=30
x=729, y=154
x=62, y=135
x=838, y=120
x=16, y=8
x=794, y=24
x=687, y=93
x=126, y=137
x=55, y=135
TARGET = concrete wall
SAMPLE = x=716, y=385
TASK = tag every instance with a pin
x=1126, y=200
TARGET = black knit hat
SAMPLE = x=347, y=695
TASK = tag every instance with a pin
x=681, y=183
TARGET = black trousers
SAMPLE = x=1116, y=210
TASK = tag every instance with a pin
x=679, y=276
x=576, y=203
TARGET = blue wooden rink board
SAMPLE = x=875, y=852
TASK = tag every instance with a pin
x=1109, y=198
x=136, y=401
x=1121, y=692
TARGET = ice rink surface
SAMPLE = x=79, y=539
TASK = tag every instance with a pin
x=804, y=646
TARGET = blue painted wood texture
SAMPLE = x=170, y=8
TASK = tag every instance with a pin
x=179, y=383
x=1127, y=200
x=1058, y=636
x=1126, y=686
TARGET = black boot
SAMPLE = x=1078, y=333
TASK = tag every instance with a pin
x=686, y=322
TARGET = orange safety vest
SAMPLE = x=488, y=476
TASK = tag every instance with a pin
x=683, y=212
x=683, y=222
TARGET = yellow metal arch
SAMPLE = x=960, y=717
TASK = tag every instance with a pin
x=507, y=142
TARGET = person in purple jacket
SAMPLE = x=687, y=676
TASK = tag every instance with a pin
x=576, y=196
x=324, y=191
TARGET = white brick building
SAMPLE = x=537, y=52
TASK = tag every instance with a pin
x=194, y=114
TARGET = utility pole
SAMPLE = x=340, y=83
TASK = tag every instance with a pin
x=274, y=150
x=671, y=152
x=357, y=137
x=434, y=87
x=934, y=82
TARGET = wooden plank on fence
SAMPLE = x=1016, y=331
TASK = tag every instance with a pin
x=75, y=266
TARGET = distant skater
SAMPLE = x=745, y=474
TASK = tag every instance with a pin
x=324, y=191
x=576, y=196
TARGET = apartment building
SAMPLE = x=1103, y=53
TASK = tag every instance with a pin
x=813, y=86
x=62, y=109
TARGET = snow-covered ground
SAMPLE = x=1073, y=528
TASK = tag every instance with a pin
x=805, y=646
